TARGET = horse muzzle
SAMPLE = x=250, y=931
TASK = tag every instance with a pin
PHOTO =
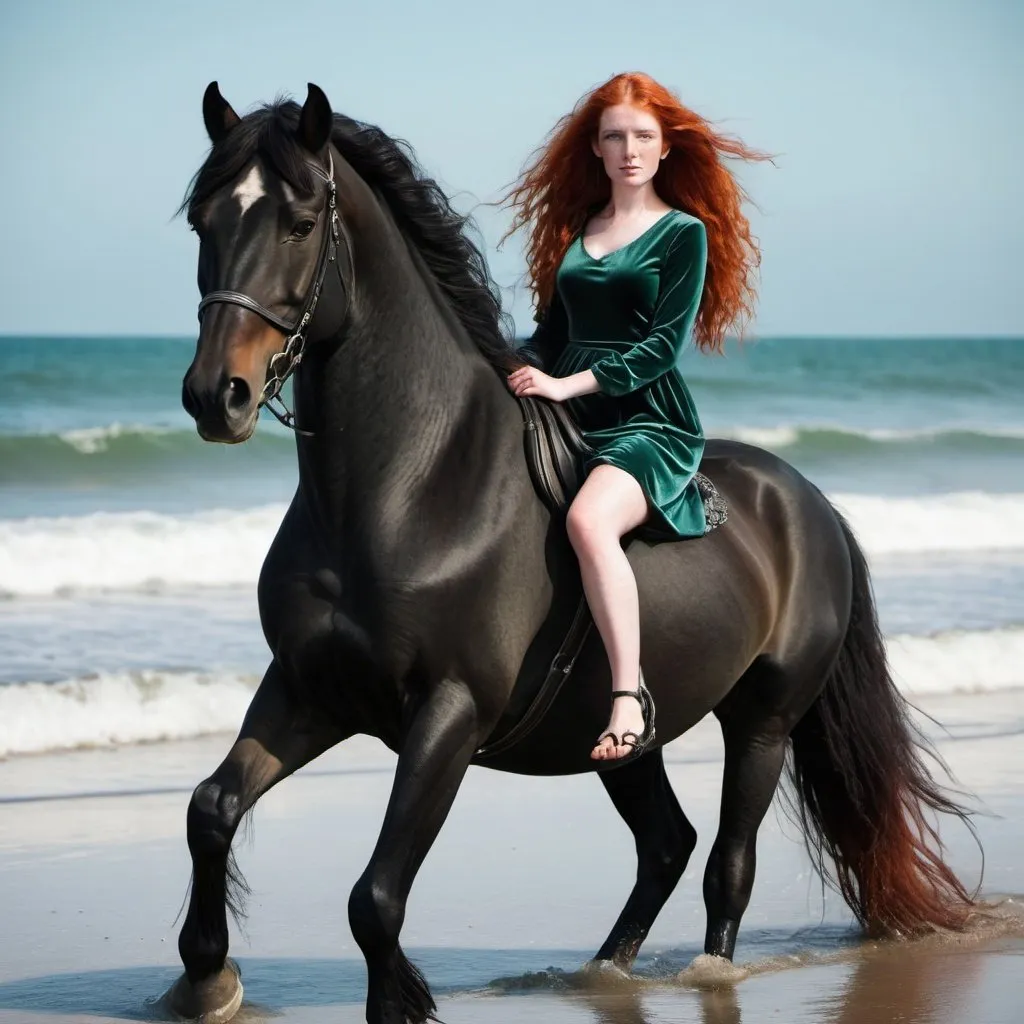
x=225, y=411
x=223, y=386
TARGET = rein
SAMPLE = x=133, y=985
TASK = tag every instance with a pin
x=284, y=363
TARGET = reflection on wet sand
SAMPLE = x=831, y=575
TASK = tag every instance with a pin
x=622, y=1008
x=930, y=986
x=713, y=1006
x=720, y=1006
x=935, y=980
x=927, y=982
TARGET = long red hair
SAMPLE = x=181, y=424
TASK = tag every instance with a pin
x=566, y=184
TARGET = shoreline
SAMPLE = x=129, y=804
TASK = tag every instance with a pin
x=93, y=871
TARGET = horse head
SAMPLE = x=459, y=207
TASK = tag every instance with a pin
x=263, y=206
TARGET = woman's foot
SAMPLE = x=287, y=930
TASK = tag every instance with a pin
x=627, y=732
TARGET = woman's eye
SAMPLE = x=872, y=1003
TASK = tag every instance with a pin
x=303, y=228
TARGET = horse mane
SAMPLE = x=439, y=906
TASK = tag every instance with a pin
x=418, y=204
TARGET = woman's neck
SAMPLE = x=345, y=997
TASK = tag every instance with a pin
x=629, y=203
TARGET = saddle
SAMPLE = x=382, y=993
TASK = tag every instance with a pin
x=556, y=448
x=555, y=452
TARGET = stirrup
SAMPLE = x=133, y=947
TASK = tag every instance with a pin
x=638, y=744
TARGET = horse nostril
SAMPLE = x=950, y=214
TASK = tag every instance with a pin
x=189, y=401
x=238, y=395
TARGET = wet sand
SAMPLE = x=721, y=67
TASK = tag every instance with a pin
x=517, y=894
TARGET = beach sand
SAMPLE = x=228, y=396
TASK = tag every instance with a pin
x=519, y=891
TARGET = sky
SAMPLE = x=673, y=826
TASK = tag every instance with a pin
x=893, y=206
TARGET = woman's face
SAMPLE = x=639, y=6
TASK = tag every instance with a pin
x=630, y=143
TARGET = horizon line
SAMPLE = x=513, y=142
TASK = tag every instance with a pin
x=750, y=340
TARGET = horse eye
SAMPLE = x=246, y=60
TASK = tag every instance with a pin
x=303, y=228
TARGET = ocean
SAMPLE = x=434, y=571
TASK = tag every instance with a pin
x=129, y=548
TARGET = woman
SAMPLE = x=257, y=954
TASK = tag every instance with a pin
x=636, y=241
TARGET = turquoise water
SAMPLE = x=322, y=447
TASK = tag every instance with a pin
x=129, y=548
x=96, y=424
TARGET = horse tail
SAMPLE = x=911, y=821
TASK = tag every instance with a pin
x=864, y=794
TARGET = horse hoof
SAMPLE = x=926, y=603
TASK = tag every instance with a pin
x=707, y=971
x=214, y=1000
x=606, y=974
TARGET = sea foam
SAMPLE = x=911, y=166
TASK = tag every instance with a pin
x=958, y=661
x=93, y=440
x=129, y=707
x=134, y=550
x=124, y=707
x=959, y=521
x=839, y=438
x=148, y=550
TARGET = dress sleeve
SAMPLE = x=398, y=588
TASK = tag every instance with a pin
x=550, y=336
x=682, y=282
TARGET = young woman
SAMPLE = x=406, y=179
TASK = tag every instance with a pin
x=636, y=243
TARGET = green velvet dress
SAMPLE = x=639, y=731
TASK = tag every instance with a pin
x=626, y=317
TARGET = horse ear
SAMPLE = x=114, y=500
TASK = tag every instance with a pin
x=218, y=115
x=316, y=120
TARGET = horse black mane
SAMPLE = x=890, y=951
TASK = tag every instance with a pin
x=418, y=204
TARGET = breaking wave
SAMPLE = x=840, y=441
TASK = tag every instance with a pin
x=131, y=707
x=149, y=550
x=121, y=707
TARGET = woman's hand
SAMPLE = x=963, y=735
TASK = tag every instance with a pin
x=528, y=380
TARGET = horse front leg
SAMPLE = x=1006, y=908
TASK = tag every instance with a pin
x=437, y=750
x=278, y=736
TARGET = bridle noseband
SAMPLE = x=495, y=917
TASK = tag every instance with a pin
x=284, y=363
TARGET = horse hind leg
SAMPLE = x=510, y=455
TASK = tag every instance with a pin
x=275, y=740
x=754, y=758
x=665, y=839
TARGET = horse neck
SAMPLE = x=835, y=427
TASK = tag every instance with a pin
x=400, y=404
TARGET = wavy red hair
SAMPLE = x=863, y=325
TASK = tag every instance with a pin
x=565, y=185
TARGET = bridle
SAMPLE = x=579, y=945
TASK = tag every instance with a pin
x=284, y=363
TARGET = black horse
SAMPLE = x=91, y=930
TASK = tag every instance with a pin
x=418, y=586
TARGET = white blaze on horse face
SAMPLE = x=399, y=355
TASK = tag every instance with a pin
x=249, y=189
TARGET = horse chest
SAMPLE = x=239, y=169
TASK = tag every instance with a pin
x=315, y=621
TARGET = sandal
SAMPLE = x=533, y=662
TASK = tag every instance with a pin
x=637, y=744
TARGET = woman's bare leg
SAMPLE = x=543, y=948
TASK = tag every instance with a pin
x=609, y=504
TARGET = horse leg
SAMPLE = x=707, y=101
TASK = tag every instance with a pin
x=753, y=763
x=643, y=796
x=438, y=747
x=277, y=737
